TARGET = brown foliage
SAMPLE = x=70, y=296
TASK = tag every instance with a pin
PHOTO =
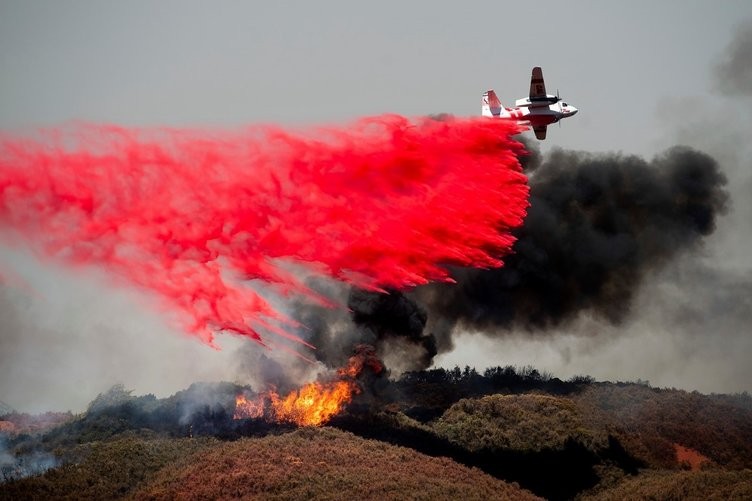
x=718, y=485
x=690, y=458
x=17, y=423
x=8, y=427
x=323, y=464
x=104, y=470
x=649, y=421
x=517, y=422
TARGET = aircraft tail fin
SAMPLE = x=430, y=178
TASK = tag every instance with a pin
x=491, y=105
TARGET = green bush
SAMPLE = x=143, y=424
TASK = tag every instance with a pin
x=516, y=422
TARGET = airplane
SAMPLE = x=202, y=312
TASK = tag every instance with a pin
x=538, y=110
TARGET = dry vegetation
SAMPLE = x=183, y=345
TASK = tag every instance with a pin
x=651, y=421
x=323, y=464
x=435, y=434
x=105, y=470
x=16, y=423
x=516, y=422
x=312, y=463
x=716, y=485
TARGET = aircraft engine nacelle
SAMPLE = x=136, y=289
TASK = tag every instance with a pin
x=537, y=101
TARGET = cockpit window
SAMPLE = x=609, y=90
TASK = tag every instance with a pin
x=565, y=104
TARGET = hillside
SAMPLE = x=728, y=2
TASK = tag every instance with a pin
x=714, y=485
x=105, y=470
x=651, y=422
x=313, y=463
x=518, y=422
x=556, y=439
x=323, y=463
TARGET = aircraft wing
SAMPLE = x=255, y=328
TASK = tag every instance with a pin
x=537, y=85
x=540, y=131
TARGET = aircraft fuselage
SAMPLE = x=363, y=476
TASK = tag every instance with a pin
x=541, y=115
x=538, y=110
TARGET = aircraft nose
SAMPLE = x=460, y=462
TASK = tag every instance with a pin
x=572, y=110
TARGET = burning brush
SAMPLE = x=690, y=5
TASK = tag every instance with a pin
x=315, y=403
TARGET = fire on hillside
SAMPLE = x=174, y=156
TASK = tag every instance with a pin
x=315, y=403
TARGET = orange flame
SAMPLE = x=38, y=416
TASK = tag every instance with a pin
x=315, y=403
x=247, y=409
x=312, y=405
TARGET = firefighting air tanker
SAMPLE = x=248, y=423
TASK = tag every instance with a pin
x=537, y=110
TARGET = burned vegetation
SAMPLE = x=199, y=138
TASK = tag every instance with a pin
x=513, y=431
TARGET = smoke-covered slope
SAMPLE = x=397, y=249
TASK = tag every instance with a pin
x=555, y=438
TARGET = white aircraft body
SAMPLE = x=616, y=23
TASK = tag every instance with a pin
x=538, y=110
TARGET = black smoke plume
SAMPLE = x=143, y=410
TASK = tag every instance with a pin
x=596, y=226
x=392, y=323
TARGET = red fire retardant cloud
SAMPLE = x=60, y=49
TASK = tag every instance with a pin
x=192, y=216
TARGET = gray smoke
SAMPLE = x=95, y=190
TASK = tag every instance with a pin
x=390, y=322
x=616, y=247
x=15, y=464
x=597, y=225
x=734, y=71
x=67, y=336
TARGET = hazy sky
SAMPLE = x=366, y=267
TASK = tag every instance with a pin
x=641, y=74
x=235, y=62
